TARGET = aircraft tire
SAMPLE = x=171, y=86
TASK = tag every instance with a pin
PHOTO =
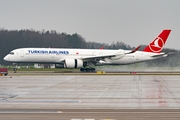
x=87, y=69
x=92, y=69
x=82, y=69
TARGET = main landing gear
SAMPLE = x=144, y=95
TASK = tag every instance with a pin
x=87, y=69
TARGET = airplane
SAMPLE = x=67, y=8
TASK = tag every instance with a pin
x=81, y=58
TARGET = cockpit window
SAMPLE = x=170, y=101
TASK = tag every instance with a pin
x=11, y=53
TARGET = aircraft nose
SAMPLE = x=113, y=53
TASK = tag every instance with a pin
x=6, y=58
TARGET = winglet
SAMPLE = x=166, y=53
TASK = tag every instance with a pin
x=133, y=50
x=158, y=43
x=101, y=48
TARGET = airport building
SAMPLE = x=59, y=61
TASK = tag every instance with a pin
x=36, y=65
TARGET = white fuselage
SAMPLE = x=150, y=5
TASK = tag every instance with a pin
x=55, y=55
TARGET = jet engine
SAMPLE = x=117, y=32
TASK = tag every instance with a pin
x=73, y=63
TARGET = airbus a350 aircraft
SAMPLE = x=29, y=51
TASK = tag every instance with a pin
x=80, y=58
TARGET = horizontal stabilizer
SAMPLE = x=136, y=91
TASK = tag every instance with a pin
x=163, y=55
x=160, y=55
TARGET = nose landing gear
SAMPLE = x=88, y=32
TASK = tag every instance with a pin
x=15, y=67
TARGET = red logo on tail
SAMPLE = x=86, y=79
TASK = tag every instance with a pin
x=157, y=45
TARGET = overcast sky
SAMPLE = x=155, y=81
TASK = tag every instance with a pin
x=133, y=22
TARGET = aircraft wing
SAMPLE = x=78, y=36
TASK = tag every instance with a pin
x=99, y=57
x=102, y=57
x=95, y=58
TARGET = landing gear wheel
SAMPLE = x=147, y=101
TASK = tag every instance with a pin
x=87, y=69
x=15, y=70
x=82, y=69
x=93, y=69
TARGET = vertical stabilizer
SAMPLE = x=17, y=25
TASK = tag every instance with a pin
x=158, y=43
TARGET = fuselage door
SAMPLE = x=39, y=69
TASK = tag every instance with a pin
x=22, y=53
x=136, y=56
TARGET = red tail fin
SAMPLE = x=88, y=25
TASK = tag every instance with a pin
x=158, y=43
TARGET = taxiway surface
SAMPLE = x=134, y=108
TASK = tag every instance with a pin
x=68, y=96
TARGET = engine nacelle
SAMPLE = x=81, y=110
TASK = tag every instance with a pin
x=73, y=63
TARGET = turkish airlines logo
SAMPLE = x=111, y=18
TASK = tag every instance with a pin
x=157, y=45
